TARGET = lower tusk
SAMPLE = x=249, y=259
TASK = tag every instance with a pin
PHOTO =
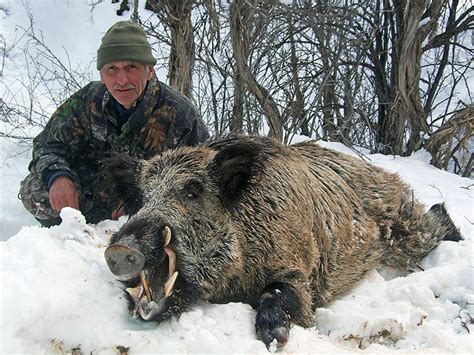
x=167, y=235
x=145, y=285
x=172, y=273
x=170, y=283
x=137, y=294
x=171, y=261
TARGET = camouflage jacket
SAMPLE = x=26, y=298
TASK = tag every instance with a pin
x=84, y=128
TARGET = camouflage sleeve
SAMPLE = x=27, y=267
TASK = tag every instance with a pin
x=63, y=137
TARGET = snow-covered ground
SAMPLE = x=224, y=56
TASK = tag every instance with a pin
x=57, y=294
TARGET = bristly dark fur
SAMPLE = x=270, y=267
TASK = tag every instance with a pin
x=451, y=231
x=286, y=229
x=121, y=174
x=236, y=164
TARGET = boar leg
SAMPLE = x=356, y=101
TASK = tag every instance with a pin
x=276, y=304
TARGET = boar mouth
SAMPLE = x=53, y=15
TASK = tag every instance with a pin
x=149, y=300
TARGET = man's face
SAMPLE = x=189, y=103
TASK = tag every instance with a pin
x=126, y=80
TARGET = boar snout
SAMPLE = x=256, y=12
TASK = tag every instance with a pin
x=124, y=260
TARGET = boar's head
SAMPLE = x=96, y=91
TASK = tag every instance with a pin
x=181, y=242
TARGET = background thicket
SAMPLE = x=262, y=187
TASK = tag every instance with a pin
x=393, y=76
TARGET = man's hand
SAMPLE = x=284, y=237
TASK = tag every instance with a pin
x=63, y=193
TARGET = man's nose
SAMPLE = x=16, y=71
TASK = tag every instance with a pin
x=122, y=77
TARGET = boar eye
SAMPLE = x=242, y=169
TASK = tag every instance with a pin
x=192, y=189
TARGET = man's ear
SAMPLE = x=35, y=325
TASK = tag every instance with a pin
x=238, y=164
x=121, y=177
x=150, y=71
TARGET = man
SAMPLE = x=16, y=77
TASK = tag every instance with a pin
x=129, y=110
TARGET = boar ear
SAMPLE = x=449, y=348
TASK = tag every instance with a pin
x=121, y=176
x=235, y=165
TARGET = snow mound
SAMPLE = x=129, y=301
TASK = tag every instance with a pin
x=58, y=295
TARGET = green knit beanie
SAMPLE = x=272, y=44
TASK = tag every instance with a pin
x=124, y=41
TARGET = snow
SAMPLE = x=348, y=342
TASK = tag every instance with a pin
x=57, y=294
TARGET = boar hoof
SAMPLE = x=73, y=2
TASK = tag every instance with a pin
x=272, y=324
x=278, y=335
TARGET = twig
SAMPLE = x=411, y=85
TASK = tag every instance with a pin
x=440, y=193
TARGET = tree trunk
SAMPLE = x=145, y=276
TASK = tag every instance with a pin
x=241, y=17
x=452, y=143
x=298, y=111
x=408, y=104
x=407, y=109
x=237, y=119
x=242, y=21
x=329, y=74
x=391, y=124
x=177, y=17
x=182, y=46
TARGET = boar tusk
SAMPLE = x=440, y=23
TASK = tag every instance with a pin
x=170, y=283
x=172, y=273
x=167, y=235
x=145, y=285
x=137, y=294
x=171, y=261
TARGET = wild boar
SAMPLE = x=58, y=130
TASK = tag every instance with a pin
x=285, y=229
